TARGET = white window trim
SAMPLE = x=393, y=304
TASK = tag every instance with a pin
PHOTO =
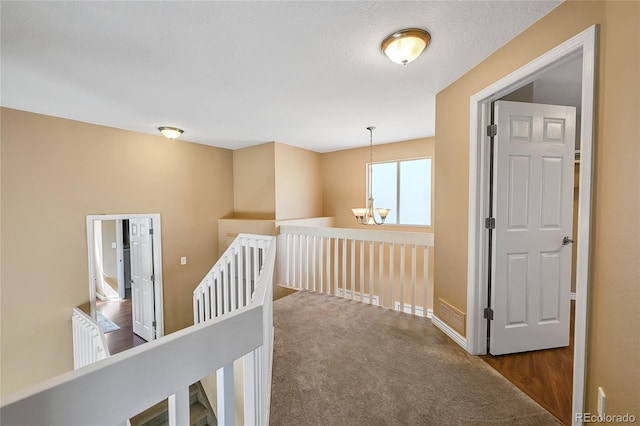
x=397, y=206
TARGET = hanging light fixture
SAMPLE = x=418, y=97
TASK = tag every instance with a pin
x=170, y=132
x=366, y=215
x=405, y=46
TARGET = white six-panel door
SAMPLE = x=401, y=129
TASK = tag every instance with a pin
x=533, y=184
x=142, y=291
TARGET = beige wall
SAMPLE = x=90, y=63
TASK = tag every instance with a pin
x=614, y=318
x=50, y=182
x=254, y=182
x=298, y=181
x=229, y=228
x=276, y=181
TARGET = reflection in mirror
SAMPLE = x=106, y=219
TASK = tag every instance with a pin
x=105, y=258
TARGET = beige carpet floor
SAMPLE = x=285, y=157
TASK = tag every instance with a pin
x=339, y=362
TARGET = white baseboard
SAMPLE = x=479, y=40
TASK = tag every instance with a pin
x=357, y=296
x=454, y=335
x=407, y=309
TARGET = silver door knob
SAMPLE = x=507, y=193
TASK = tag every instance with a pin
x=566, y=241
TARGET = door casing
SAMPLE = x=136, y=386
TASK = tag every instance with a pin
x=480, y=115
x=157, y=262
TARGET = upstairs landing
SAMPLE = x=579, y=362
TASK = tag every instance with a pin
x=341, y=362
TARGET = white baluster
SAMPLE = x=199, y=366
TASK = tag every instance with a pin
x=195, y=308
x=380, y=273
x=210, y=297
x=243, y=280
x=306, y=262
x=335, y=266
x=225, y=396
x=219, y=291
x=426, y=280
x=288, y=261
x=402, y=267
x=302, y=261
x=392, y=252
x=353, y=268
x=371, y=250
x=247, y=273
x=361, y=244
x=413, y=279
x=251, y=391
x=179, y=408
x=321, y=264
x=294, y=261
x=313, y=262
x=258, y=245
x=233, y=282
x=201, y=305
x=327, y=265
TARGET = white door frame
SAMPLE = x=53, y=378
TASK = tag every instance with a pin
x=120, y=258
x=157, y=262
x=584, y=43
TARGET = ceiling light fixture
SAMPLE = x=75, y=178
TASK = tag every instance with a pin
x=366, y=216
x=406, y=45
x=170, y=132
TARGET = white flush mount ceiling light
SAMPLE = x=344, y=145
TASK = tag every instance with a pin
x=406, y=45
x=170, y=132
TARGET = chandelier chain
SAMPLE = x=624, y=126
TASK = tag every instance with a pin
x=371, y=129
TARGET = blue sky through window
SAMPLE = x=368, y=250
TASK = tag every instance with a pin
x=405, y=187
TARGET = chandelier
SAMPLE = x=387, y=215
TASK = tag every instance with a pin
x=366, y=215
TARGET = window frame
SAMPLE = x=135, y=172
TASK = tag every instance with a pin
x=369, y=176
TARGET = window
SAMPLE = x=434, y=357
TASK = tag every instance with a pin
x=405, y=187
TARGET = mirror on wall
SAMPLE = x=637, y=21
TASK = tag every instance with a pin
x=125, y=277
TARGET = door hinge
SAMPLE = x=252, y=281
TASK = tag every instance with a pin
x=488, y=314
x=150, y=231
x=490, y=223
x=492, y=130
x=153, y=278
x=154, y=323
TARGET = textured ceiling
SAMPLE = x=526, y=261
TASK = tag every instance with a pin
x=236, y=74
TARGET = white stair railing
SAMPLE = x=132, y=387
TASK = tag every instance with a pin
x=89, y=343
x=233, y=283
x=384, y=268
x=161, y=369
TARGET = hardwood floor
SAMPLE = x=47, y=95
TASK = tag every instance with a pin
x=120, y=313
x=546, y=376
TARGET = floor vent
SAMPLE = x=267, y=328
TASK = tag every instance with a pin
x=454, y=317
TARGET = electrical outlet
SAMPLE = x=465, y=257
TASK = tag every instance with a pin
x=601, y=402
x=183, y=260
